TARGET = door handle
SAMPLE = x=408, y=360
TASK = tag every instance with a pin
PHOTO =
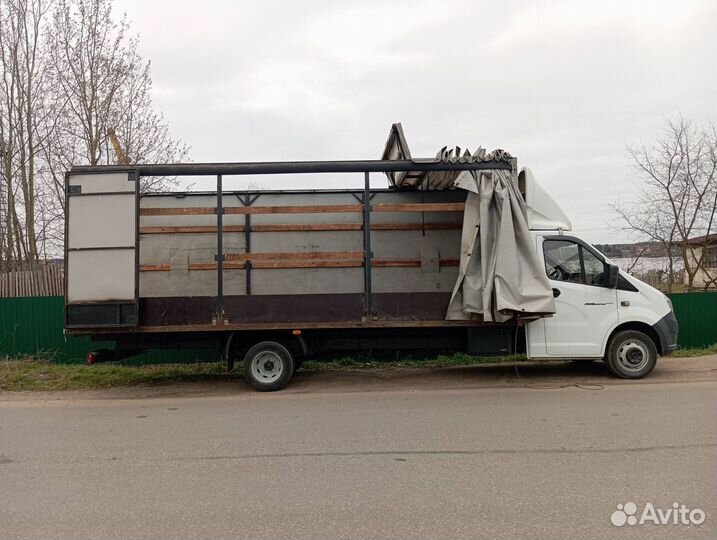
x=556, y=293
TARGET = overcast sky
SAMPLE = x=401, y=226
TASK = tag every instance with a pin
x=561, y=85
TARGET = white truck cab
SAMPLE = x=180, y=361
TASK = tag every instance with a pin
x=601, y=311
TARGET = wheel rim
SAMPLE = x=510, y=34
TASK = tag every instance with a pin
x=267, y=366
x=633, y=355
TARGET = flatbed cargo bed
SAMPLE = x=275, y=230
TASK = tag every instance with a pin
x=292, y=259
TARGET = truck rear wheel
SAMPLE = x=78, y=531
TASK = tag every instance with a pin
x=631, y=355
x=268, y=366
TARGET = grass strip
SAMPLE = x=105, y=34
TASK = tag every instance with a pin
x=32, y=374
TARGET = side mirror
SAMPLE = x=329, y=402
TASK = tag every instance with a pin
x=612, y=274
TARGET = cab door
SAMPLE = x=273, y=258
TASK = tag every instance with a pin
x=586, y=308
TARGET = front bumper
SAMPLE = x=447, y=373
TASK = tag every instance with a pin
x=667, y=330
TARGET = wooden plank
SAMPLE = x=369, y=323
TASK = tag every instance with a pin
x=293, y=255
x=306, y=227
x=258, y=265
x=307, y=209
x=189, y=211
x=415, y=226
x=408, y=263
x=198, y=229
x=154, y=268
x=419, y=207
x=302, y=227
x=203, y=266
x=269, y=264
x=388, y=263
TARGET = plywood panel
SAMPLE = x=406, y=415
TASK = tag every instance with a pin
x=402, y=279
x=100, y=275
x=307, y=281
x=308, y=241
x=103, y=182
x=102, y=221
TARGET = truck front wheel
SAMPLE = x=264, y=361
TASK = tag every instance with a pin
x=631, y=355
x=268, y=366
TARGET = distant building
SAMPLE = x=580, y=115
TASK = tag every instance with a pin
x=707, y=273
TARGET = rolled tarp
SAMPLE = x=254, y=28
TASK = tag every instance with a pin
x=500, y=275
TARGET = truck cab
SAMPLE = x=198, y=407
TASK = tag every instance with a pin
x=601, y=311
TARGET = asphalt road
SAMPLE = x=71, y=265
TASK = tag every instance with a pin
x=543, y=459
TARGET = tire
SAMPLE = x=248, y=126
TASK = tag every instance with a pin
x=268, y=366
x=631, y=355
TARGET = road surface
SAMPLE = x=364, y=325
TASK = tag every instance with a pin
x=538, y=457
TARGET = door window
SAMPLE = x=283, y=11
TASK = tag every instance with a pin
x=594, y=269
x=566, y=260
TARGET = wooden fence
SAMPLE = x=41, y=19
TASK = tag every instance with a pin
x=37, y=279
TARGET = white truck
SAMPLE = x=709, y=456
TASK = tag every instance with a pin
x=461, y=252
x=601, y=311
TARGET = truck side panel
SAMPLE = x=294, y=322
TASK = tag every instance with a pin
x=302, y=259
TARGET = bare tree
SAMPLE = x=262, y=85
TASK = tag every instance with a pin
x=89, y=54
x=99, y=84
x=677, y=199
x=69, y=75
x=142, y=131
x=105, y=85
x=23, y=85
x=633, y=262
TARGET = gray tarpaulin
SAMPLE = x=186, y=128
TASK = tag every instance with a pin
x=500, y=275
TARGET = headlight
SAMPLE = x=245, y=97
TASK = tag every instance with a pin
x=669, y=302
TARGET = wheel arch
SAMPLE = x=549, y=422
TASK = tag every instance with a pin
x=638, y=326
x=295, y=343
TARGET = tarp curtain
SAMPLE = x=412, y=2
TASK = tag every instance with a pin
x=500, y=275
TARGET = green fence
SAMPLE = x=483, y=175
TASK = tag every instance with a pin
x=33, y=326
x=697, y=315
